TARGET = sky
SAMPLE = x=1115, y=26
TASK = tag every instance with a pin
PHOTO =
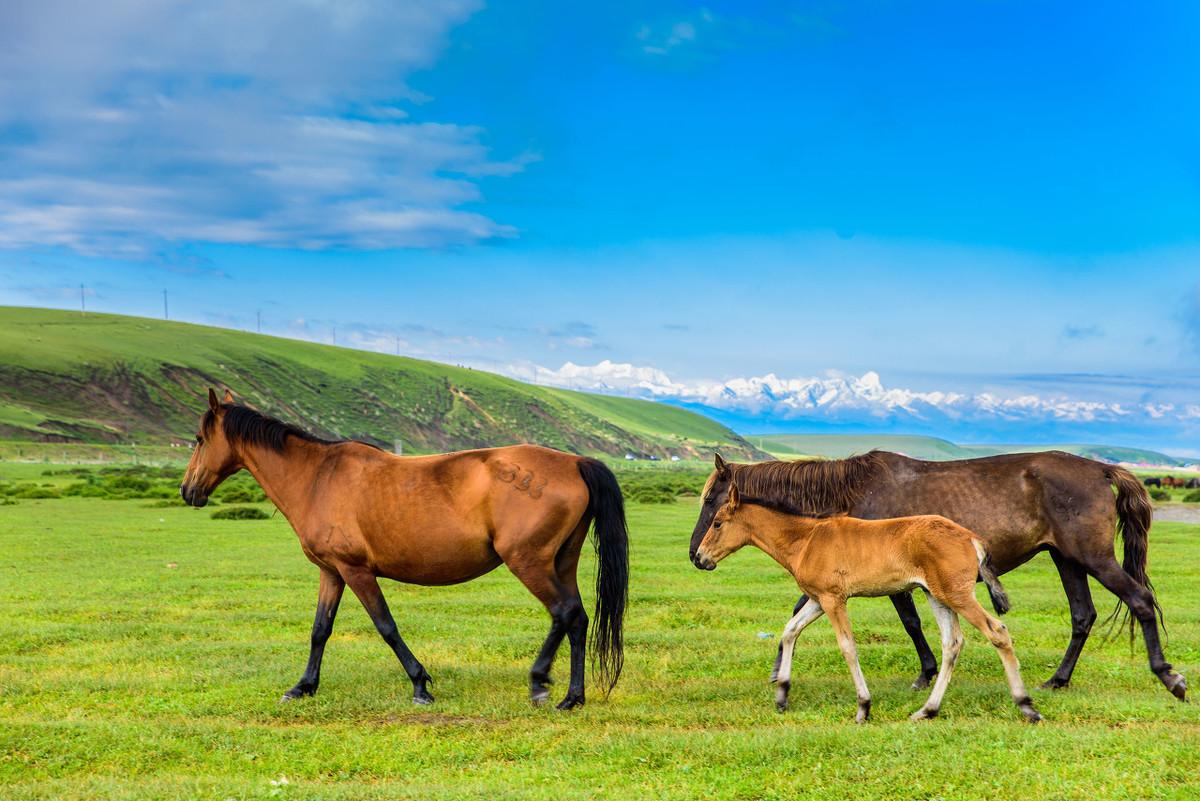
x=973, y=219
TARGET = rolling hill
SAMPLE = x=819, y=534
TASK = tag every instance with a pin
x=69, y=377
x=837, y=446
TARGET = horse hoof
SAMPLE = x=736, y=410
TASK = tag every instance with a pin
x=922, y=681
x=1178, y=687
x=297, y=692
x=1055, y=683
x=781, y=706
x=864, y=714
x=569, y=703
x=539, y=697
x=1032, y=715
x=422, y=698
x=923, y=714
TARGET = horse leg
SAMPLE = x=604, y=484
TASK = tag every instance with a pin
x=952, y=643
x=845, y=637
x=810, y=611
x=998, y=636
x=1083, y=615
x=566, y=565
x=1140, y=601
x=329, y=595
x=366, y=587
x=566, y=616
x=911, y=621
x=779, y=651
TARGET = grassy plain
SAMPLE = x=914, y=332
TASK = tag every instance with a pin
x=143, y=650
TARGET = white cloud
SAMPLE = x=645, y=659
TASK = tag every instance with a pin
x=124, y=125
x=660, y=39
x=843, y=398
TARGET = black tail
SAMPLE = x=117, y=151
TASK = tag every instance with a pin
x=1134, y=513
x=987, y=574
x=606, y=507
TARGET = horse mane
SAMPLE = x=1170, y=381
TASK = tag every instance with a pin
x=809, y=488
x=252, y=427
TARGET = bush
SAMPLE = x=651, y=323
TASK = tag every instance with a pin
x=1160, y=494
x=240, y=513
x=37, y=492
x=652, y=495
x=1192, y=497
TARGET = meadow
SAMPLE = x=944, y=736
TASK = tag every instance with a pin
x=144, y=646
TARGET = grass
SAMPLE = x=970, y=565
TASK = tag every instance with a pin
x=99, y=378
x=143, y=650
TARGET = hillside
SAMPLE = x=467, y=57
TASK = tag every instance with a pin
x=68, y=377
x=837, y=446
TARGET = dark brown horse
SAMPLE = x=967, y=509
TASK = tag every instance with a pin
x=362, y=514
x=1020, y=504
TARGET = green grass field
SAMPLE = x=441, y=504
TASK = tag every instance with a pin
x=143, y=650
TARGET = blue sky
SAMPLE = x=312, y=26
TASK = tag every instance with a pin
x=979, y=202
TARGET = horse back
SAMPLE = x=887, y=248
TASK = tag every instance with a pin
x=1017, y=503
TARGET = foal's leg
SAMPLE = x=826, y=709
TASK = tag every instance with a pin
x=1140, y=601
x=1083, y=615
x=997, y=634
x=907, y=611
x=952, y=643
x=845, y=637
x=366, y=587
x=329, y=595
x=810, y=611
x=911, y=621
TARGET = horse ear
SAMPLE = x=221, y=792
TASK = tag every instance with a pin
x=228, y=397
x=213, y=403
x=735, y=497
x=721, y=465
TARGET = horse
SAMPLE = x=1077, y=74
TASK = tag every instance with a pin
x=1152, y=482
x=1020, y=504
x=837, y=558
x=362, y=514
x=1193, y=483
x=1175, y=483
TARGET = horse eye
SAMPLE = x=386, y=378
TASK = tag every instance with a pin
x=717, y=524
x=199, y=440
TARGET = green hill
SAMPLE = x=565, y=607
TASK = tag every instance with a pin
x=837, y=446
x=68, y=377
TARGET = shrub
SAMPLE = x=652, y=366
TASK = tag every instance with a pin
x=37, y=492
x=652, y=495
x=1192, y=497
x=240, y=513
x=1160, y=494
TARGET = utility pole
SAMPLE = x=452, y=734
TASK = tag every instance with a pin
x=82, y=302
x=165, y=315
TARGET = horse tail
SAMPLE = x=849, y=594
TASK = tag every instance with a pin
x=1134, y=513
x=987, y=574
x=606, y=508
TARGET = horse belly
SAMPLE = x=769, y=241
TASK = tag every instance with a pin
x=444, y=560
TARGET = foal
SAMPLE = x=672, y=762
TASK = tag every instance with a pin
x=836, y=558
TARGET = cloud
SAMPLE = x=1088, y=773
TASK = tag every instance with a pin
x=856, y=399
x=662, y=38
x=1081, y=332
x=126, y=127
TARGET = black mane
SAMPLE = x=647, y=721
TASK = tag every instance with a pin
x=246, y=425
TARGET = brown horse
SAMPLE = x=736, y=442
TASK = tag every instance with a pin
x=1020, y=504
x=362, y=514
x=838, y=558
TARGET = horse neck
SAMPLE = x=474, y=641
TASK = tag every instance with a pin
x=287, y=475
x=781, y=536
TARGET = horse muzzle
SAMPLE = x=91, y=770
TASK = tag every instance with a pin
x=703, y=561
x=193, y=496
